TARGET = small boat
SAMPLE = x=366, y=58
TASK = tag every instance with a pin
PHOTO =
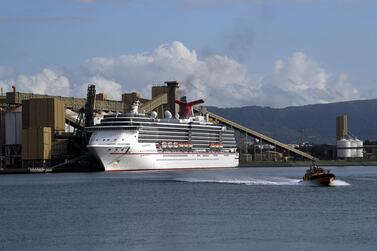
x=318, y=175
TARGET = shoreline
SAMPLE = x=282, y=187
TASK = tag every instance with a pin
x=308, y=163
x=270, y=164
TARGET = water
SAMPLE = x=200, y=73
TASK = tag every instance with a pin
x=231, y=209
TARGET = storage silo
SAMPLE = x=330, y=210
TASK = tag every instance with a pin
x=341, y=127
x=353, y=143
x=13, y=127
x=359, y=150
x=343, y=150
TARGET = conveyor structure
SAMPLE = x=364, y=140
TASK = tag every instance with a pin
x=258, y=135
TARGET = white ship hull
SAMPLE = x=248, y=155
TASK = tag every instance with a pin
x=133, y=142
x=113, y=160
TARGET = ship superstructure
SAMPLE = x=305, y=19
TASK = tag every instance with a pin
x=136, y=141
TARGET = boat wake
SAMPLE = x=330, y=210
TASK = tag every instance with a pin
x=337, y=183
x=269, y=181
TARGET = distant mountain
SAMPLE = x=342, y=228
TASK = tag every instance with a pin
x=316, y=123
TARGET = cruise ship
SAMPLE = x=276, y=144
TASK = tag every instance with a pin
x=138, y=142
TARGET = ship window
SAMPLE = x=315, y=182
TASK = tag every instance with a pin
x=108, y=139
x=122, y=139
x=115, y=139
x=116, y=149
x=96, y=139
x=109, y=149
x=103, y=140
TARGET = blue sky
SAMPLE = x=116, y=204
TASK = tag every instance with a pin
x=287, y=52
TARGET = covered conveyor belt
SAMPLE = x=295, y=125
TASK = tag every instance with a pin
x=259, y=136
x=71, y=119
x=154, y=103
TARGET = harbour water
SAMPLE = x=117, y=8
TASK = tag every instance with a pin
x=229, y=209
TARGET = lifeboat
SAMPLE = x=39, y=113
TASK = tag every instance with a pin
x=164, y=144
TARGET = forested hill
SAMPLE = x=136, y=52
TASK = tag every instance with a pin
x=317, y=122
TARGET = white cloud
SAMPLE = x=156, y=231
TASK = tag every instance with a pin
x=199, y=78
x=46, y=81
x=220, y=80
x=111, y=88
x=300, y=80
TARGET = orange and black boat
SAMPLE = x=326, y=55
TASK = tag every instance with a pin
x=319, y=175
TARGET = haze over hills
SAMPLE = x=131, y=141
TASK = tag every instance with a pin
x=317, y=121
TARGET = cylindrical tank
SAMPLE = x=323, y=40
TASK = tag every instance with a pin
x=359, y=150
x=342, y=151
x=354, y=149
x=13, y=127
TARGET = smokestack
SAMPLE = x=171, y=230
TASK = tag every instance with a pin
x=172, y=95
x=186, y=109
x=14, y=88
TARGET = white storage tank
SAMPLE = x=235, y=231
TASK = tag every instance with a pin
x=359, y=150
x=341, y=145
x=13, y=127
x=354, y=149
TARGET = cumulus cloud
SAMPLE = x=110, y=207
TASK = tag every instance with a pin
x=300, y=80
x=220, y=80
x=46, y=81
x=111, y=88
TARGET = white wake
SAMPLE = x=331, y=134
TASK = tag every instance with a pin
x=271, y=181
x=337, y=183
x=268, y=181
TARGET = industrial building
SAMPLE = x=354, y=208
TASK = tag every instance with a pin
x=348, y=146
x=48, y=132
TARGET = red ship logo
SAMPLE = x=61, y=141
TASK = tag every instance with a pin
x=185, y=108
